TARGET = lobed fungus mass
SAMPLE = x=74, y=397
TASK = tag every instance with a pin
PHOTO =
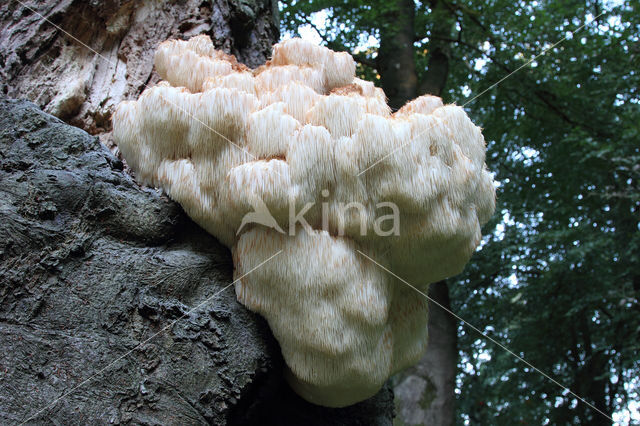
x=220, y=138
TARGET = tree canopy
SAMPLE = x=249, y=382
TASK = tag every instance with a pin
x=557, y=278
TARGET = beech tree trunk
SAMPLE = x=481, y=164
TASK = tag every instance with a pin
x=78, y=59
x=395, y=62
x=114, y=306
x=425, y=393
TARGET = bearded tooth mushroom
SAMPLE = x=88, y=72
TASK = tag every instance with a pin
x=301, y=134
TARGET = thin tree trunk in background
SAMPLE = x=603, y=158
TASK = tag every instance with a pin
x=424, y=393
x=591, y=377
x=437, y=72
x=395, y=61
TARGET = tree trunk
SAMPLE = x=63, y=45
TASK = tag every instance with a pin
x=425, y=393
x=114, y=306
x=395, y=61
x=437, y=72
x=78, y=59
x=591, y=377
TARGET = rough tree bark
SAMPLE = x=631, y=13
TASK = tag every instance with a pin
x=425, y=392
x=78, y=59
x=95, y=270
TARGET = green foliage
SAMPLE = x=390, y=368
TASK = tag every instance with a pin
x=564, y=143
x=557, y=279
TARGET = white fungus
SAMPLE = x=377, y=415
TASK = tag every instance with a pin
x=301, y=132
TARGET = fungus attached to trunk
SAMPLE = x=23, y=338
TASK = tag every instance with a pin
x=302, y=134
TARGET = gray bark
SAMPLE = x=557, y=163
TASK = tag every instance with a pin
x=78, y=59
x=91, y=266
x=424, y=392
